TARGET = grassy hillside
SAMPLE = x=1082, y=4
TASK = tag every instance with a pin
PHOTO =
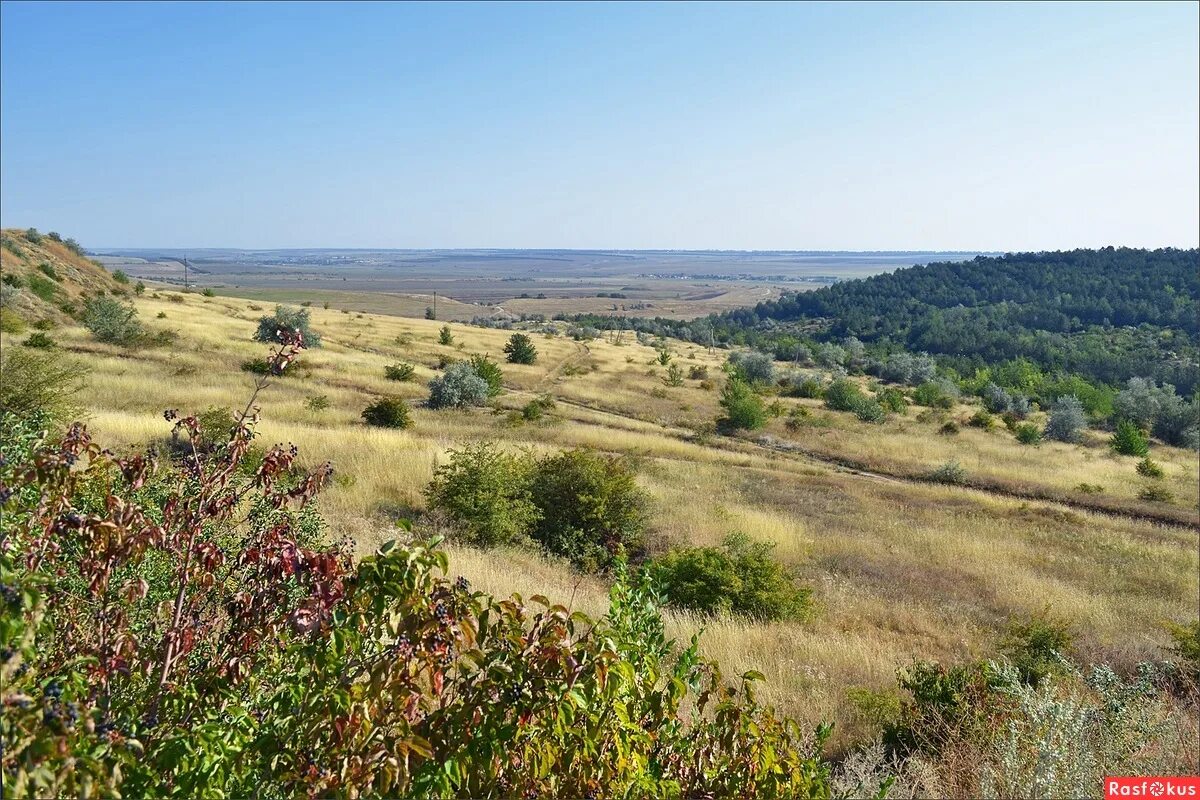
x=900, y=568
x=47, y=276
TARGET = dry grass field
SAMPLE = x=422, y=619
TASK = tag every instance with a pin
x=900, y=569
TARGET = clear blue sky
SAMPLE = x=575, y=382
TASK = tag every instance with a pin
x=676, y=126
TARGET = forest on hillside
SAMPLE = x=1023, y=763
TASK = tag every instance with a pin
x=1108, y=315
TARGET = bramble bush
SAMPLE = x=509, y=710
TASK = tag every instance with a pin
x=388, y=412
x=485, y=492
x=578, y=504
x=843, y=395
x=740, y=577
x=182, y=629
x=40, y=383
x=1028, y=433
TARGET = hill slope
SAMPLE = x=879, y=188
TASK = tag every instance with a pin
x=46, y=277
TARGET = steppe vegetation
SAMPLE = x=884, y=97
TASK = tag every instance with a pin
x=940, y=619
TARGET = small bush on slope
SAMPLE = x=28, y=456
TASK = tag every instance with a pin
x=278, y=326
x=459, y=386
x=485, y=492
x=739, y=577
x=744, y=409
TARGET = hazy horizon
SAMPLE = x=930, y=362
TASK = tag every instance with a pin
x=812, y=127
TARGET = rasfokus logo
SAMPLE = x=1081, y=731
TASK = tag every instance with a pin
x=1158, y=786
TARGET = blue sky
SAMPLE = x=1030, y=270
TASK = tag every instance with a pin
x=773, y=126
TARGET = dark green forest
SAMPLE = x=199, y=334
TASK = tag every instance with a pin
x=1107, y=315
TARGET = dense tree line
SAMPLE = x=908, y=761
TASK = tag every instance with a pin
x=1108, y=314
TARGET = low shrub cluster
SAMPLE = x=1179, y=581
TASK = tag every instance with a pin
x=578, y=504
x=739, y=578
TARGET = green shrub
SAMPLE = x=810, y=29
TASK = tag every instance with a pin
x=139, y=288
x=207, y=291
x=1067, y=420
x=949, y=428
x=32, y=236
x=113, y=322
x=319, y=402
x=740, y=578
x=41, y=383
x=485, y=493
x=535, y=409
x=120, y=276
x=1028, y=433
x=744, y=409
x=752, y=367
x=674, y=376
x=284, y=319
x=9, y=279
x=1129, y=440
x=1157, y=494
x=42, y=287
x=490, y=372
x=935, y=394
x=1149, y=468
x=40, y=341
x=590, y=507
x=520, y=349
x=1186, y=646
x=1090, y=488
x=809, y=387
x=458, y=387
x=1037, y=646
x=843, y=395
x=48, y=270
x=399, y=372
x=388, y=412
x=867, y=410
x=950, y=472
x=698, y=372
x=892, y=399
x=445, y=336
x=982, y=419
x=11, y=322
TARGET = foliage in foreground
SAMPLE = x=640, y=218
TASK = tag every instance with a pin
x=181, y=630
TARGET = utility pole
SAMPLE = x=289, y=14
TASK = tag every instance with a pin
x=435, y=305
x=185, y=272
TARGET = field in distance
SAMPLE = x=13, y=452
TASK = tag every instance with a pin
x=679, y=285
